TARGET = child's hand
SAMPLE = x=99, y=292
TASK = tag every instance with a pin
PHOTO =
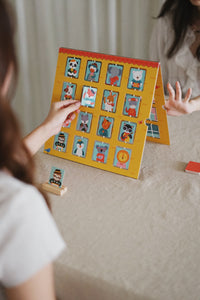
x=175, y=106
x=61, y=113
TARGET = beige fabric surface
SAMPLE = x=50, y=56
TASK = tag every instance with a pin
x=131, y=239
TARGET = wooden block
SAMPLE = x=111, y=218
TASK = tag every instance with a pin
x=54, y=189
x=193, y=167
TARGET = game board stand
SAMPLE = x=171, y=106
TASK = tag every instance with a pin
x=121, y=107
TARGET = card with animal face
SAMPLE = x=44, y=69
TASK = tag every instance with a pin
x=93, y=71
x=84, y=122
x=131, y=106
x=89, y=96
x=122, y=158
x=100, y=152
x=109, y=101
x=68, y=91
x=114, y=75
x=105, y=126
x=56, y=177
x=80, y=146
x=60, y=141
x=72, y=67
x=136, y=79
x=127, y=132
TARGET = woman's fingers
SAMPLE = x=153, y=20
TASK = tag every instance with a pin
x=70, y=112
x=171, y=91
x=69, y=119
x=64, y=103
x=178, y=91
x=188, y=95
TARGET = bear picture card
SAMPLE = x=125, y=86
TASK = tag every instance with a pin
x=121, y=107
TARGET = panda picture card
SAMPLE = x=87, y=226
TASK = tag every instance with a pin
x=121, y=107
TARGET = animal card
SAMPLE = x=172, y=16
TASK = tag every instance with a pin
x=56, y=177
x=88, y=96
x=121, y=107
x=60, y=141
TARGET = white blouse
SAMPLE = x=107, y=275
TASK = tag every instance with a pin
x=183, y=66
x=29, y=238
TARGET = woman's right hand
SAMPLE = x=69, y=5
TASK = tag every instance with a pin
x=61, y=113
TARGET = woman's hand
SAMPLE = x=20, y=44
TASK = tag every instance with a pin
x=175, y=105
x=61, y=113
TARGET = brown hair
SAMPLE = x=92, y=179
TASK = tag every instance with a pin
x=14, y=156
x=183, y=14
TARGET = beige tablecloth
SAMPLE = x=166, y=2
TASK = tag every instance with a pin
x=131, y=239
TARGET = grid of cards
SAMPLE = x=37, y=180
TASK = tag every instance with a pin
x=117, y=97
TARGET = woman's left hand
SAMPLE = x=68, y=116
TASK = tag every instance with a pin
x=175, y=105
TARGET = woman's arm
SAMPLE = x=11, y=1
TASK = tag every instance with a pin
x=60, y=112
x=40, y=286
x=176, y=106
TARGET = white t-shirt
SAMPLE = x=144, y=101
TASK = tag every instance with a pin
x=183, y=66
x=29, y=238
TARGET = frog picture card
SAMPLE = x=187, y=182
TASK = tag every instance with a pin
x=121, y=107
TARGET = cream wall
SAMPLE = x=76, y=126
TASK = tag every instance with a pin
x=119, y=27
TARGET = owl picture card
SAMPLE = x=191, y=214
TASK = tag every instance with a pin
x=121, y=107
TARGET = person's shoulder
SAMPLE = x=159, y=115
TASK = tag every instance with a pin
x=165, y=22
x=16, y=194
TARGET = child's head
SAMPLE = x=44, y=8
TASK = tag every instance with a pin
x=8, y=61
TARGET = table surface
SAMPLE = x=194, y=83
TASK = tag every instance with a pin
x=131, y=239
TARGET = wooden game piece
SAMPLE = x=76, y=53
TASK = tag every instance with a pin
x=54, y=185
x=54, y=189
x=193, y=167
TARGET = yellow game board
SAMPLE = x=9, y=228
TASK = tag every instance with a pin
x=122, y=105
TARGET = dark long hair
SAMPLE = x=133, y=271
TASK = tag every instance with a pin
x=14, y=156
x=183, y=15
